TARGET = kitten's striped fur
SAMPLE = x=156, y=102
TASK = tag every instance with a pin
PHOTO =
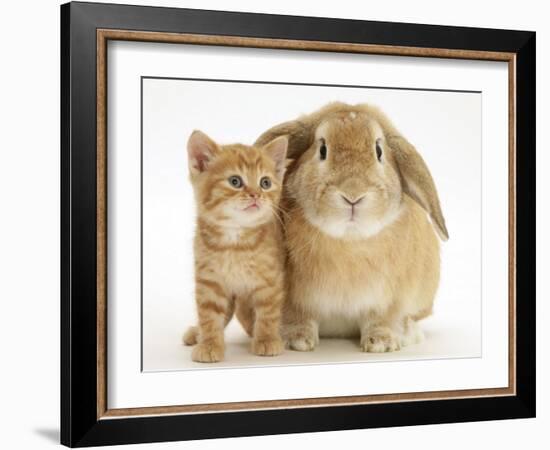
x=239, y=253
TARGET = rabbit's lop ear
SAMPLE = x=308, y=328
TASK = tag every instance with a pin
x=299, y=135
x=418, y=182
x=201, y=150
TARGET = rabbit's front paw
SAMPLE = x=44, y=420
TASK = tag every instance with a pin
x=302, y=343
x=380, y=340
x=302, y=338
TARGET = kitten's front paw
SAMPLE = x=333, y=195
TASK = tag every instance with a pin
x=267, y=347
x=207, y=352
x=380, y=340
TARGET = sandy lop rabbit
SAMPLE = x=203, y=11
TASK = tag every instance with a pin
x=363, y=256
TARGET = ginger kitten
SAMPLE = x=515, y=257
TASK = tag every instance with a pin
x=239, y=253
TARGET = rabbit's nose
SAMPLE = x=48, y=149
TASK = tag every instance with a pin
x=354, y=201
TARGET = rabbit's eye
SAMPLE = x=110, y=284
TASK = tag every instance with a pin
x=236, y=181
x=323, y=150
x=378, y=150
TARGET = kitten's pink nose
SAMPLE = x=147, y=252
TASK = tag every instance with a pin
x=253, y=194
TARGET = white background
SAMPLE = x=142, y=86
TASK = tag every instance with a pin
x=448, y=134
x=29, y=186
x=443, y=134
x=445, y=127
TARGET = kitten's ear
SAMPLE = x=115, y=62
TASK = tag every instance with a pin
x=201, y=150
x=277, y=149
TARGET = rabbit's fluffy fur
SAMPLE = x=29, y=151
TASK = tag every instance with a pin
x=362, y=255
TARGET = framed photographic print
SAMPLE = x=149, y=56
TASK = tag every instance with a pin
x=276, y=224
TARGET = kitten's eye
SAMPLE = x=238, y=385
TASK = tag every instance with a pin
x=323, y=150
x=265, y=183
x=236, y=181
x=378, y=150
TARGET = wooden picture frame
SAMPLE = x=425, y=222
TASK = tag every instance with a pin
x=86, y=418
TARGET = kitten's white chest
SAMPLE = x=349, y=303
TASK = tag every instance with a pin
x=238, y=273
x=231, y=236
